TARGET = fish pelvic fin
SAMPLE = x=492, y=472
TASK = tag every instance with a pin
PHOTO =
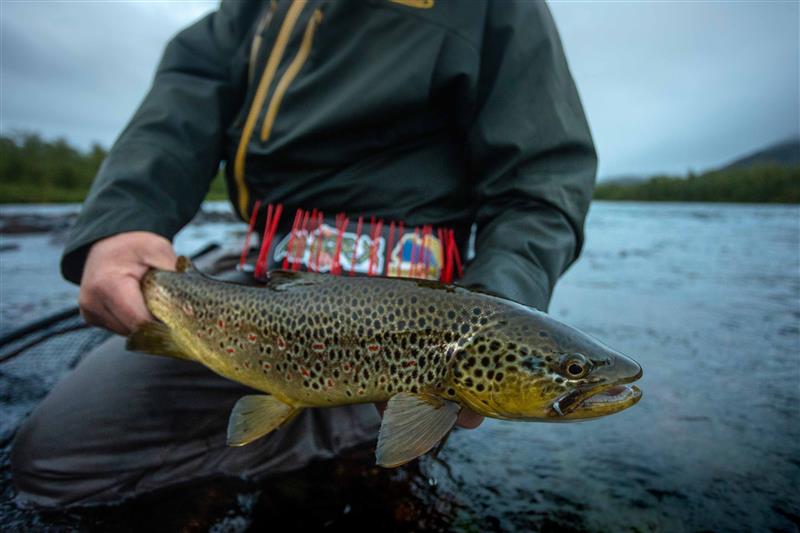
x=155, y=338
x=255, y=416
x=412, y=425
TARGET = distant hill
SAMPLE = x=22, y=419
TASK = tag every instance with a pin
x=622, y=180
x=786, y=154
x=770, y=175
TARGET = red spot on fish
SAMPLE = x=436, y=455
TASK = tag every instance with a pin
x=252, y=337
x=230, y=350
x=330, y=382
x=210, y=330
x=346, y=367
x=410, y=363
x=305, y=372
x=288, y=377
x=318, y=346
x=267, y=366
x=281, y=343
x=221, y=324
x=373, y=347
x=361, y=392
x=247, y=364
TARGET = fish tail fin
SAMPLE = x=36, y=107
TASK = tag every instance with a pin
x=256, y=415
x=155, y=338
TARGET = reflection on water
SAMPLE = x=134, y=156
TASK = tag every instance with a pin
x=706, y=297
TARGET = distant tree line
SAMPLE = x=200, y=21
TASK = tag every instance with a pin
x=757, y=184
x=35, y=170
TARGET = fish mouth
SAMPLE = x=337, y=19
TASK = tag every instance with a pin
x=596, y=402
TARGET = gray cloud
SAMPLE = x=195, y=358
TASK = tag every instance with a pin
x=667, y=86
x=672, y=86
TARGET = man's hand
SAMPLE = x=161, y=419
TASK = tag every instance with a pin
x=110, y=295
x=466, y=418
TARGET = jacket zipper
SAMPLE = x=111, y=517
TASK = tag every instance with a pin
x=274, y=60
x=255, y=47
x=291, y=72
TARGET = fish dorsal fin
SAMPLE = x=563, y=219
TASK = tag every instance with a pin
x=155, y=338
x=184, y=264
x=285, y=280
x=412, y=425
x=256, y=415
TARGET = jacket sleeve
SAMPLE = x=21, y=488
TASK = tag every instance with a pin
x=531, y=155
x=159, y=169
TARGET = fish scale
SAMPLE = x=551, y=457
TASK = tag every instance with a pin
x=429, y=349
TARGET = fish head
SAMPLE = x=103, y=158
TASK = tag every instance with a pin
x=173, y=297
x=525, y=365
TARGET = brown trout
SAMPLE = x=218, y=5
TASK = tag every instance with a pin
x=315, y=340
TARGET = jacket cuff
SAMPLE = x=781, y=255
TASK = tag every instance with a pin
x=505, y=277
x=106, y=225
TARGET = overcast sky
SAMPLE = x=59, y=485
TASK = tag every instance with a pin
x=667, y=86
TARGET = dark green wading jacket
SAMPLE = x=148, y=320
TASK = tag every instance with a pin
x=443, y=112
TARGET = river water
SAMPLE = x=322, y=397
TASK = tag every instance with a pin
x=705, y=296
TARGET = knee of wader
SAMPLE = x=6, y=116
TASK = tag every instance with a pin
x=41, y=468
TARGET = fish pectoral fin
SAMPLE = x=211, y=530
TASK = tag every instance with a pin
x=412, y=425
x=256, y=415
x=155, y=338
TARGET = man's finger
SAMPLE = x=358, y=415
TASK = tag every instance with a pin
x=109, y=321
x=127, y=304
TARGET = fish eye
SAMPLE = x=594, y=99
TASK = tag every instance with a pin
x=575, y=366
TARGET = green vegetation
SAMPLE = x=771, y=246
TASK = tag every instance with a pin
x=757, y=184
x=33, y=170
